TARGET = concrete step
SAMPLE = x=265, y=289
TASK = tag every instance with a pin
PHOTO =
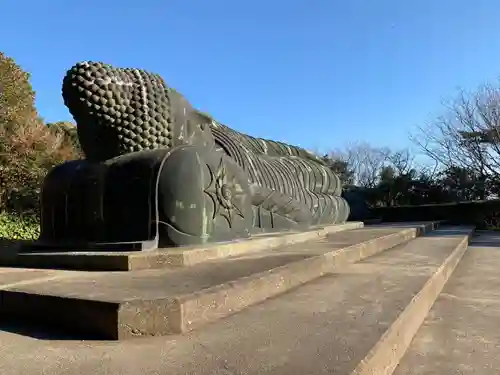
x=460, y=334
x=357, y=320
x=118, y=305
x=167, y=258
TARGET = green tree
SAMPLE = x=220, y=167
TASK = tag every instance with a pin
x=17, y=98
x=464, y=184
x=339, y=167
x=69, y=133
x=28, y=149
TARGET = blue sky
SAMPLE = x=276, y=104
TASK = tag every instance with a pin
x=319, y=74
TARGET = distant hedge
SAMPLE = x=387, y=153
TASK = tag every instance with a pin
x=482, y=214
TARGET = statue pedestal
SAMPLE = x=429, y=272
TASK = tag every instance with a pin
x=91, y=260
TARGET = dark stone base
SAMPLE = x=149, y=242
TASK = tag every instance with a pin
x=92, y=260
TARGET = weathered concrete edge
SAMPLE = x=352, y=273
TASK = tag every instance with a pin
x=384, y=357
x=193, y=256
x=191, y=311
x=178, y=257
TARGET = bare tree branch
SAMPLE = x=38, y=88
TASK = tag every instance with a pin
x=467, y=134
x=365, y=161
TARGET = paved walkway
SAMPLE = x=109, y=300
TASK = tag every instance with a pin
x=461, y=334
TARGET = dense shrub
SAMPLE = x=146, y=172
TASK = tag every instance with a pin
x=27, y=152
x=17, y=227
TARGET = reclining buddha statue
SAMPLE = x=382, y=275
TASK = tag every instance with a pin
x=159, y=173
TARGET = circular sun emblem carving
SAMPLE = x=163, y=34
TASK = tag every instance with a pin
x=226, y=193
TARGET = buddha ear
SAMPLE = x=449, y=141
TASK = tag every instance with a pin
x=199, y=117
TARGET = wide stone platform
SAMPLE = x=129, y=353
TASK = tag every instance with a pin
x=358, y=318
x=171, y=300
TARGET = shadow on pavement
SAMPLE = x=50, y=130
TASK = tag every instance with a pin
x=42, y=332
